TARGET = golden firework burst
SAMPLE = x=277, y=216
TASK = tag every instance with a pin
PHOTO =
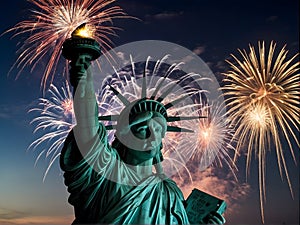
x=262, y=95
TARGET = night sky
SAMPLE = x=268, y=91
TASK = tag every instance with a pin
x=211, y=29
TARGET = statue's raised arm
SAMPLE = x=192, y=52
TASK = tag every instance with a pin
x=81, y=51
x=84, y=101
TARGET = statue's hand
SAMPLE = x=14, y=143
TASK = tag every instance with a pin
x=81, y=76
x=215, y=218
x=79, y=68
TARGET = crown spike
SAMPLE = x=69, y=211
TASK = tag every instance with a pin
x=178, y=129
x=110, y=127
x=178, y=118
x=109, y=117
x=120, y=96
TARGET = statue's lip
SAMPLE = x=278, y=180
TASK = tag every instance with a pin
x=150, y=148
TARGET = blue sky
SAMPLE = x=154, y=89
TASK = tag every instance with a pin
x=212, y=29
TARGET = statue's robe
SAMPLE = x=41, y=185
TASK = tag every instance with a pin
x=105, y=190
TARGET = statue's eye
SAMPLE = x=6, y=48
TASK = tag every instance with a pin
x=143, y=131
x=158, y=130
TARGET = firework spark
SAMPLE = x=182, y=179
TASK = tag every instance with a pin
x=53, y=22
x=215, y=138
x=55, y=119
x=211, y=144
x=262, y=95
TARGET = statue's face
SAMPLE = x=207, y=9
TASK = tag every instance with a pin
x=151, y=133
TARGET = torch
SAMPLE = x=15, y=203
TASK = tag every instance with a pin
x=80, y=49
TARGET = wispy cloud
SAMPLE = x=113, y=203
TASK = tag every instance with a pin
x=167, y=15
x=11, y=111
x=219, y=184
x=4, y=115
x=199, y=50
x=8, y=214
x=14, y=217
x=272, y=18
x=164, y=16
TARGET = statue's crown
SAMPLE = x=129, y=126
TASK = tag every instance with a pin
x=151, y=104
x=148, y=105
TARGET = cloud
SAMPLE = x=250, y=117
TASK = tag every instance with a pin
x=220, y=184
x=13, y=217
x=167, y=15
x=8, y=214
x=199, y=50
x=271, y=18
x=221, y=66
x=4, y=115
x=6, y=112
x=164, y=15
x=11, y=111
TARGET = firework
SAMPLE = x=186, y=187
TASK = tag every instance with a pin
x=54, y=119
x=214, y=139
x=262, y=95
x=53, y=22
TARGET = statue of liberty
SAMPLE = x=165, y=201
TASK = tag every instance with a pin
x=122, y=182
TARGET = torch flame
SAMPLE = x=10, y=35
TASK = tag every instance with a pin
x=84, y=31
